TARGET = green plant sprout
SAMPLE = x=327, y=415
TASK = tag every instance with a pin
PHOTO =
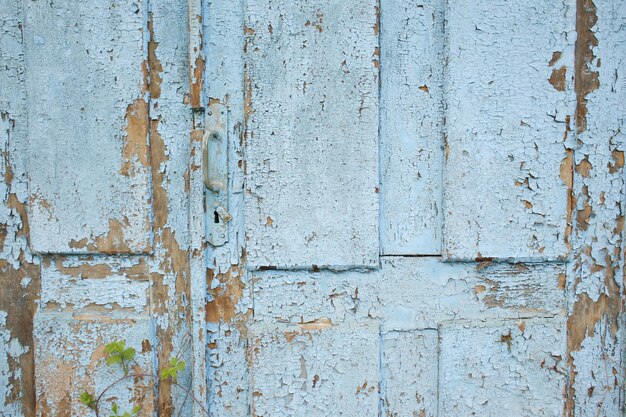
x=88, y=400
x=119, y=354
x=175, y=367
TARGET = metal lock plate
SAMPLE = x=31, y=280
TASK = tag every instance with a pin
x=215, y=173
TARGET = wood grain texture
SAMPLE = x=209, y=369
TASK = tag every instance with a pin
x=312, y=140
x=196, y=55
x=506, y=122
x=170, y=156
x=87, y=104
x=411, y=126
x=108, y=284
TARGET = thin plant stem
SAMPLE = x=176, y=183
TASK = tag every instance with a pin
x=111, y=385
x=125, y=377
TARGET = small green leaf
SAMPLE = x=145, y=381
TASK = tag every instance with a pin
x=87, y=399
x=128, y=354
x=113, y=359
x=116, y=413
x=117, y=346
x=172, y=371
x=119, y=353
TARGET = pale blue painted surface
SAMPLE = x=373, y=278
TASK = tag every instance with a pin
x=385, y=160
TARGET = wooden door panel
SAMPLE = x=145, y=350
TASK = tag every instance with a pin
x=495, y=368
x=315, y=369
x=411, y=126
x=106, y=284
x=509, y=103
x=88, y=156
x=311, y=80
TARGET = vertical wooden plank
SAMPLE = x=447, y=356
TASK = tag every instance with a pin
x=87, y=102
x=229, y=304
x=508, y=106
x=197, y=207
x=170, y=123
x=312, y=133
x=409, y=373
x=411, y=120
x=596, y=275
x=500, y=368
x=198, y=285
x=19, y=272
x=196, y=56
x=118, y=287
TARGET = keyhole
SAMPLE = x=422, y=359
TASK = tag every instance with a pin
x=216, y=217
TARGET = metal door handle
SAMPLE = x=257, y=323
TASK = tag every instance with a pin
x=215, y=176
x=214, y=149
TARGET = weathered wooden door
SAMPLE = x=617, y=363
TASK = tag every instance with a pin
x=325, y=207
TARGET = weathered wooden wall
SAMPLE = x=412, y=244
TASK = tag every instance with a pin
x=427, y=203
